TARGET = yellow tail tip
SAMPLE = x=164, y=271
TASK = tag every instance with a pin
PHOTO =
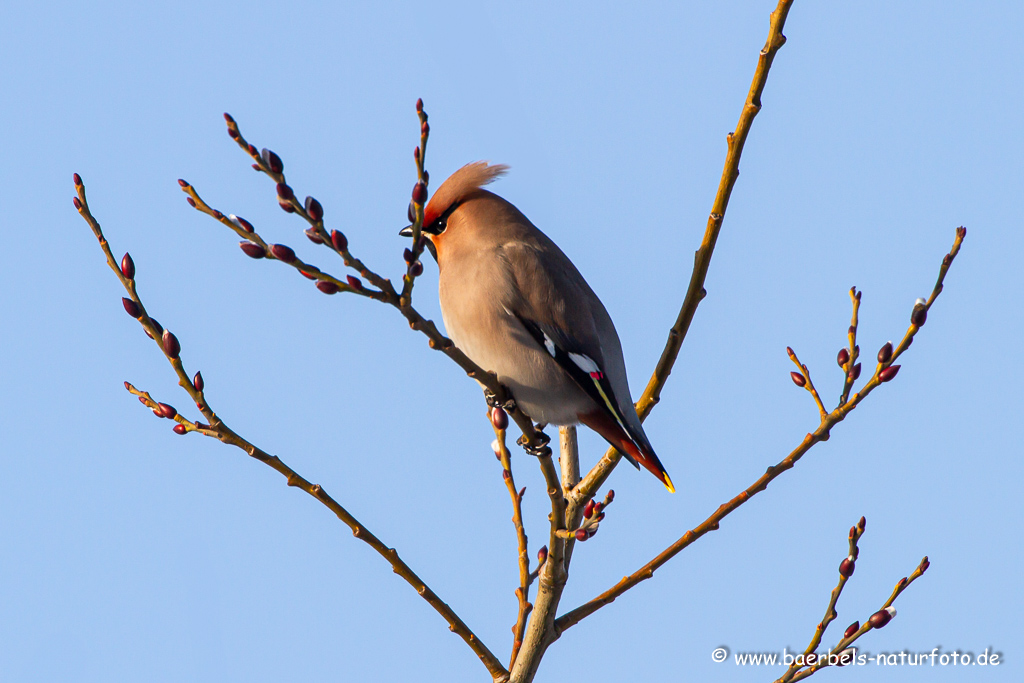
x=668, y=483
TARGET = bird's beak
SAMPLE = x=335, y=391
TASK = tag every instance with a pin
x=406, y=231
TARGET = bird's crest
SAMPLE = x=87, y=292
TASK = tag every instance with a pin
x=458, y=185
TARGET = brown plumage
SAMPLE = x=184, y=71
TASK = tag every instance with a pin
x=517, y=306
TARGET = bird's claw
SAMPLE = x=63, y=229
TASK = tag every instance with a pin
x=539, y=448
x=509, y=405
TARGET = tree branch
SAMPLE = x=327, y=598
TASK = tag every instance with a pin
x=170, y=347
x=884, y=372
x=695, y=293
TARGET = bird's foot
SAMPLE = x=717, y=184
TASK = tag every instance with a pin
x=508, y=405
x=539, y=447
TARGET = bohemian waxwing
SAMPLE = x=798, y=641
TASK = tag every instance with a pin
x=517, y=306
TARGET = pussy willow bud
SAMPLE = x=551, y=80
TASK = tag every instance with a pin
x=847, y=566
x=411, y=213
x=499, y=418
x=419, y=105
x=920, y=313
x=885, y=353
x=610, y=496
x=314, y=209
x=128, y=266
x=313, y=236
x=157, y=325
x=284, y=191
x=425, y=129
x=182, y=182
x=282, y=253
x=408, y=256
x=339, y=240
x=327, y=287
x=417, y=269
x=843, y=357
x=191, y=202
x=198, y=382
x=882, y=617
x=252, y=249
x=588, y=509
x=581, y=535
x=419, y=193
x=272, y=161
x=164, y=410
x=228, y=118
x=170, y=343
x=798, y=379
x=78, y=180
x=862, y=523
x=307, y=275
x=924, y=564
x=855, y=372
x=851, y=629
x=131, y=308
x=77, y=203
x=542, y=554
x=180, y=429
x=233, y=132
x=286, y=206
x=241, y=222
x=354, y=282
x=888, y=373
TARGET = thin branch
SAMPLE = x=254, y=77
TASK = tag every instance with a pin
x=808, y=384
x=219, y=430
x=695, y=293
x=499, y=422
x=854, y=632
x=272, y=166
x=885, y=372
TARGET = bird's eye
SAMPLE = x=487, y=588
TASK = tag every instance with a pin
x=440, y=225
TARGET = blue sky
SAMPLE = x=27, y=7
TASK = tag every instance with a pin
x=130, y=553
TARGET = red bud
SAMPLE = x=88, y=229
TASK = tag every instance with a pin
x=272, y=161
x=843, y=357
x=217, y=214
x=924, y=564
x=499, y=418
x=882, y=617
x=327, y=287
x=191, y=202
x=855, y=372
x=164, y=410
x=419, y=193
x=426, y=177
x=282, y=253
x=419, y=104
x=789, y=351
x=588, y=509
x=888, y=373
x=127, y=266
x=853, y=531
x=131, y=308
x=308, y=276
x=180, y=429
x=609, y=497
x=847, y=566
x=286, y=206
x=798, y=379
x=919, y=315
x=417, y=269
x=233, y=132
x=415, y=155
x=581, y=535
x=339, y=240
x=411, y=213
x=77, y=203
x=314, y=209
x=354, y=282
x=171, y=346
x=246, y=225
x=862, y=523
x=314, y=236
x=198, y=382
x=284, y=191
x=902, y=584
x=542, y=554
x=885, y=353
x=253, y=152
x=851, y=629
x=252, y=249
x=227, y=117
x=425, y=129
x=408, y=256
x=505, y=474
x=256, y=167
x=182, y=182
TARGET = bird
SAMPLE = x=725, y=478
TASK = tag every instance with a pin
x=515, y=304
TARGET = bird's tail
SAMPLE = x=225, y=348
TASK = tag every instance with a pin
x=613, y=433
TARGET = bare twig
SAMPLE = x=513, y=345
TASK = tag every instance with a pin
x=219, y=430
x=702, y=259
x=808, y=384
x=884, y=372
x=500, y=422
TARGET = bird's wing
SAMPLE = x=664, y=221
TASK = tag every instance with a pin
x=558, y=309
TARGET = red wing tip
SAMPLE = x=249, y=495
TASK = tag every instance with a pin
x=667, y=481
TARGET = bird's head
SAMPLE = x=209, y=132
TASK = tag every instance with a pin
x=449, y=196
